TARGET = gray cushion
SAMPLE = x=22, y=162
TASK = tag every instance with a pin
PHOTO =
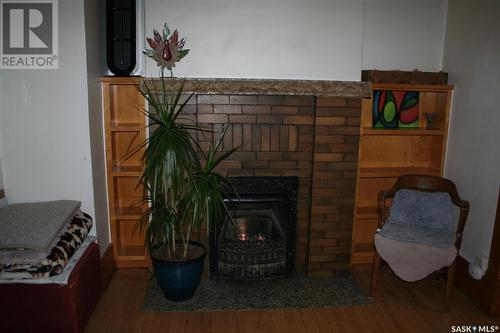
x=422, y=217
x=35, y=225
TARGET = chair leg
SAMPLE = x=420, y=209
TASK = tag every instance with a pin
x=450, y=284
x=376, y=265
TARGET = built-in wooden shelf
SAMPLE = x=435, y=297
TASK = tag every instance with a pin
x=124, y=130
x=386, y=154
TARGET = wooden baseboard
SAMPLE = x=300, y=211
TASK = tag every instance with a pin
x=358, y=258
x=107, y=266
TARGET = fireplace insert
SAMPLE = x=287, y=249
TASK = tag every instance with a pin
x=258, y=242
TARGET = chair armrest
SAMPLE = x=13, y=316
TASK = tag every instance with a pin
x=381, y=208
x=464, y=212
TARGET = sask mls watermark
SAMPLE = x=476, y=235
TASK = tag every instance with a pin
x=474, y=328
x=28, y=34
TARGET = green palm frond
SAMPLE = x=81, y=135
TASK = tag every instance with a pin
x=181, y=194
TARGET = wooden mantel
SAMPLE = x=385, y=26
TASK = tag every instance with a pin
x=319, y=88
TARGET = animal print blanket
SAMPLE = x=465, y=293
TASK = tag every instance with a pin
x=72, y=237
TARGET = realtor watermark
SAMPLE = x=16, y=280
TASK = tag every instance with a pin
x=28, y=34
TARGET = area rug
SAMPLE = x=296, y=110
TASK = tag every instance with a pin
x=214, y=295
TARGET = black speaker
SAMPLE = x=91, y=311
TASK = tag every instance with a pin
x=120, y=36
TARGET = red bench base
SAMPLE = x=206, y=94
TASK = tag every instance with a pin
x=53, y=307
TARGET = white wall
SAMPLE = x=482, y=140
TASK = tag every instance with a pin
x=302, y=39
x=95, y=47
x=1, y=142
x=293, y=39
x=404, y=34
x=3, y=201
x=45, y=122
x=472, y=58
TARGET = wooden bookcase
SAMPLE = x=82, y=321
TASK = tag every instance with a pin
x=386, y=154
x=125, y=128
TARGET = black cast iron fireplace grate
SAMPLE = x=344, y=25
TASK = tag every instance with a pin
x=260, y=241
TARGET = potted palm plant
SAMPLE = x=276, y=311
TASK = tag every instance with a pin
x=182, y=190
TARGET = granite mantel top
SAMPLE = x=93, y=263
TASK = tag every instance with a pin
x=319, y=88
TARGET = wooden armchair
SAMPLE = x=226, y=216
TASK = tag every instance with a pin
x=426, y=184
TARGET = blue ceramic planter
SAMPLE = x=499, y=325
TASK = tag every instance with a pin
x=179, y=280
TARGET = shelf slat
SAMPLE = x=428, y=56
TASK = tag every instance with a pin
x=394, y=172
x=412, y=87
x=130, y=213
x=126, y=174
x=126, y=127
x=363, y=247
x=361, y=258
x=132, y=252
x=402, y=131
x=366, y=213
x=126, y=170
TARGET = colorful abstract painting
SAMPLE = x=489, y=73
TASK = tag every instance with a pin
x=395, y=109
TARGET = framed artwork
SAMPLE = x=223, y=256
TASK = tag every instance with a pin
x=395, y=109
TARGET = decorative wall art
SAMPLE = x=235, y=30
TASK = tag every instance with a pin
x=395, y=109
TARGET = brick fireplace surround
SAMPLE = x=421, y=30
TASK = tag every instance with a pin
x=313, y=136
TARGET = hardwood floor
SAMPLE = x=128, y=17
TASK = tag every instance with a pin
x=398, y=307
